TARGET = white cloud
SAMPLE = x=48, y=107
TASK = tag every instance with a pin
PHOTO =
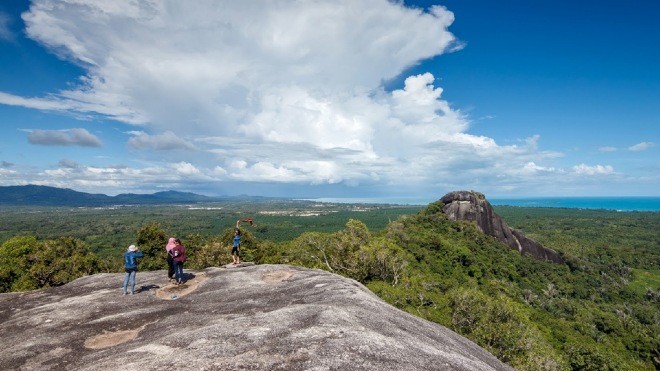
x=48, y=104
x=117, y=179
x=184, y=168
x=607, y=149
x=69, y=137
x=6, y=172
x=583, y=169
x=165, y=141
x=68, y=163
x=532, y=168
x=641, y=146
x=269, y=91
x=5, y=30
x=219, y=172
x=202, y=65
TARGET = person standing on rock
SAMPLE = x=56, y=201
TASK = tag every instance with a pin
x=236, y=249
x=179, y=256
x=170, y=258
x=130, y=266
x=237, y=246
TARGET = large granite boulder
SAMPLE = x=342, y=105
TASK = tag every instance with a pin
x=473, y=206
x=260, y=317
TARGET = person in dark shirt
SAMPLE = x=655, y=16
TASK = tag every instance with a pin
x=179, y=253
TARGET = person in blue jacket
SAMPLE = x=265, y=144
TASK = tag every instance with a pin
x=235, y=250
x=130, y=266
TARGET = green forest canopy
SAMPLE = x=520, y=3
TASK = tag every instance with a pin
x=597, y=312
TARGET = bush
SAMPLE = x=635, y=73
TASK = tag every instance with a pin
x=29, y=264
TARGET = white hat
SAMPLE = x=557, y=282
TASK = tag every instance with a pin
x=132, y=248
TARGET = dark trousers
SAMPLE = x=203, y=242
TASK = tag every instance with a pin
x=170, y=266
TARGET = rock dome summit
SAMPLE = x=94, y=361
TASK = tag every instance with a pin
x=261, y=317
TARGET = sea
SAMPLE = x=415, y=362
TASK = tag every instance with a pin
x=602, y=203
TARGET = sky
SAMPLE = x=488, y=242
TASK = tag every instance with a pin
x=389, y=100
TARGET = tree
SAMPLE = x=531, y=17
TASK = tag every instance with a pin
x=385, y=260
x=151, y=240
x=588, y=357
x=29, y=264
x=500, y=326
x=312, y=250
x=14, y=263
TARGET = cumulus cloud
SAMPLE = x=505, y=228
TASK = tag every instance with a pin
x=210, y=66
x=112, y=179
x=268, y=91
x=641, y=146
x=69, y=137
x=185, y=168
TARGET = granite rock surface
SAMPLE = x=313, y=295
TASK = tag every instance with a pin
x=259, y=317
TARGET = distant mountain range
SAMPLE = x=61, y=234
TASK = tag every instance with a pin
x=36, y=195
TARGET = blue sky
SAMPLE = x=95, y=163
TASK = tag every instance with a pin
x=349, y=98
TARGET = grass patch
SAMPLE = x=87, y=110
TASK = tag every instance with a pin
x=645, y=279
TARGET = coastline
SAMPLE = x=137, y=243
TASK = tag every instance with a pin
x=627, y=204
x=623, y=204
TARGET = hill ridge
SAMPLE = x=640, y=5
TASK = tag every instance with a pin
x=39, y=195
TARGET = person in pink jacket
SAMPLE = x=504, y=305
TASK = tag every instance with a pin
x=170, y=258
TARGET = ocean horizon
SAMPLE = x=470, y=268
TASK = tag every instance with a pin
x=602, y=203
x=597, y=203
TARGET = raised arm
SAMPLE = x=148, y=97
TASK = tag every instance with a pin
x=247, y=220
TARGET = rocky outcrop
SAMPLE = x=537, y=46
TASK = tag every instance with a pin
x=261, y=317
x=473, y=206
